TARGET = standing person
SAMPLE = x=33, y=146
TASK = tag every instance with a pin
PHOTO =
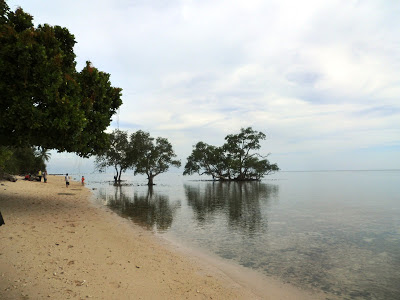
x=83, y=180
x=66, y=180
x=40, y=175
x=45, y=176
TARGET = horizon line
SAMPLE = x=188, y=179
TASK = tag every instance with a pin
x=340, y=170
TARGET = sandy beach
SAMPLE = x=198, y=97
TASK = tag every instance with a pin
x=56, y=244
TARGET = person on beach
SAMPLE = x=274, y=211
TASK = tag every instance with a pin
x=66, y=180
x=40, y=175
x=44, y=176
x=83, y=180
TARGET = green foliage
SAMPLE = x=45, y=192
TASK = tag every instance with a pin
x=152, y=157
x=116, y=155
x=140, y=152
x=235, y=160
x=206, y=159
x=22, y=160
x=44, y=101
x=100, y=101
x=44, y=154
x=5, y=155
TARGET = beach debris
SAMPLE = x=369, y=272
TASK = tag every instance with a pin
x=80, y=282
x=10, y=177
x=138, y=267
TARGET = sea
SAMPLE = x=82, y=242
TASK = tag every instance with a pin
x=331, y=231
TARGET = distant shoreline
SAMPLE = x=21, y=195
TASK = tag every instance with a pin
x=366, y=170
x=280, y=171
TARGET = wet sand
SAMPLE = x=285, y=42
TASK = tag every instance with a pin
x=57, y=245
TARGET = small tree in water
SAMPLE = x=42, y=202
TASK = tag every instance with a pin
x=142, y=153
x=235, y=160
x=152, y=156
x=116, y=155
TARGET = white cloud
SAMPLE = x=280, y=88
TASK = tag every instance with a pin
x=317, y=76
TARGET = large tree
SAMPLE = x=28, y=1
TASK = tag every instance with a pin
x=207, y=159
x=24, y=160
x=236, y=160
x=152, y=156
x=44, y=101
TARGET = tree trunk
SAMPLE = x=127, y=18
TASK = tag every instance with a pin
x=116, y=176
x=150, y=192
x=150, y=178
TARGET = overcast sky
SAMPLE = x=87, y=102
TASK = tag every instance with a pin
x=320, y=78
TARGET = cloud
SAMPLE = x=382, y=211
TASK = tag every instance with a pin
x=315, y=75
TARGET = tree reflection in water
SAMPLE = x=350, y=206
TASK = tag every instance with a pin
x=149, y=209
x=240, y=201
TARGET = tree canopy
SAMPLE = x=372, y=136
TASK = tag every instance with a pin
x=116, y=155
x=140, y=152
x=23, y=160
x=44, y=101
x=153, y=156
x=236, y=160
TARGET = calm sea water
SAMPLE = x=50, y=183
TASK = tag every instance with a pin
x=333, y=231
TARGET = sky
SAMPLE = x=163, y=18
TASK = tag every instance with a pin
x=320, y=78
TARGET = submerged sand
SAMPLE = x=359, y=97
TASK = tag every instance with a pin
x=57, y=245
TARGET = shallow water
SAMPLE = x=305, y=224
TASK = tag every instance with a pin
x=338, y=232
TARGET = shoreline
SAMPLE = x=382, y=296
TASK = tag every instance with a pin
x=56, y=243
